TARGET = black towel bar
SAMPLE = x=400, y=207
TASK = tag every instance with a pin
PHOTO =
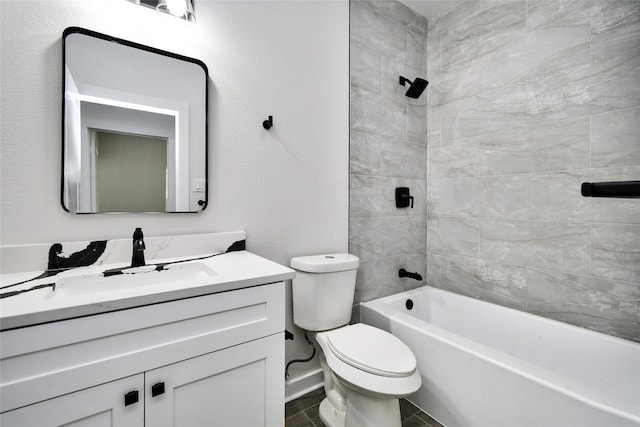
x=624, y=189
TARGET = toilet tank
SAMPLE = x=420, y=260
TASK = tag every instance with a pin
x=323, y=290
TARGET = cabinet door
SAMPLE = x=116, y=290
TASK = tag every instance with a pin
x=241, y=386
x=99, y=406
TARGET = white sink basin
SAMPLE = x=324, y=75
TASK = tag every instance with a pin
x=132, y=278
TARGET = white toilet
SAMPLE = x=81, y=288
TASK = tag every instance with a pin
x=366, y=370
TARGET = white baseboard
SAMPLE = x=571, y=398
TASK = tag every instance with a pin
x=296, y=387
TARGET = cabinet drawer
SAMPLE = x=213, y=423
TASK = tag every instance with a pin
x=44, y=361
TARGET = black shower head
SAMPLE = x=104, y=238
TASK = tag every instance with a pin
x=416, y=87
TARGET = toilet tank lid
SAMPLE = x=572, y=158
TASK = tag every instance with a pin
x=325, y=263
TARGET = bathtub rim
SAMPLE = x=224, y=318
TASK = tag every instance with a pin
x=405, y=294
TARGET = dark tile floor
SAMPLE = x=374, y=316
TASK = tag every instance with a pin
x=303, y=412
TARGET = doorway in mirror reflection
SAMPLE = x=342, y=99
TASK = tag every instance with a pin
x=130, y=172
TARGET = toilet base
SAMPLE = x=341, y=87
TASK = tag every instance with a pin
x=330, y=416
x=367, y=411
x=361, y=411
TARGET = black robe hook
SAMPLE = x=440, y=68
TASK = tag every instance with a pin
x=268, y=123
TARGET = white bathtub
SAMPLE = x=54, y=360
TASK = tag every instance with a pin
x=487, y=365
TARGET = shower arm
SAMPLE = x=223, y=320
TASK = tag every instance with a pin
x=404, y=80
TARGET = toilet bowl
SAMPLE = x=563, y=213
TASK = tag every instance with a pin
x=372, y=369
x=366, y=370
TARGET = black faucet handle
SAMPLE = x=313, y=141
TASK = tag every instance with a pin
x=137, y=234
x=138, y=238
x=137, y=257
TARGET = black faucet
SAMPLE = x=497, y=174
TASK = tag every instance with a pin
x=404, y=273
x=137, y=258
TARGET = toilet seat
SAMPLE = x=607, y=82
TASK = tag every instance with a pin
x=391, y=382
x=372, y=350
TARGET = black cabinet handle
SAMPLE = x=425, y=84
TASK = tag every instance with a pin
x=157, y=389
x=131, y=398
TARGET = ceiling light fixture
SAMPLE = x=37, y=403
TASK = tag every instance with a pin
x=179, y=8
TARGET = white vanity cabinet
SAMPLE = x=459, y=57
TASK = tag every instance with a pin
x=225, y=388
x=216, y=359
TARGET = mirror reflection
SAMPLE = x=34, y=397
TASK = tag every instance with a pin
x=135, y=136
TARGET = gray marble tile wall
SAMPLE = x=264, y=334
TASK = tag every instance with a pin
x=527, y=100
x=388, y=146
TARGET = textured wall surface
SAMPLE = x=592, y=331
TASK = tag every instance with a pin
x=286, y=187
x=388, y=146
x=276, y=185
x=527, y=100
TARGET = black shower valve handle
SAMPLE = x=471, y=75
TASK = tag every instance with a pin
x=403, y=198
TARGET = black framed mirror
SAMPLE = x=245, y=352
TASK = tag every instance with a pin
x=134, y=127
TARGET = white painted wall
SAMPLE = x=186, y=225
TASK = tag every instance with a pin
x=287, y=187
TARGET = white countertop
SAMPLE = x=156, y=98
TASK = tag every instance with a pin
x=233, y=270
